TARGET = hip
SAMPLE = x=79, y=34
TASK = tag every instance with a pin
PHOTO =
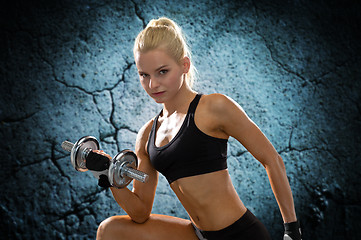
x=246, y=227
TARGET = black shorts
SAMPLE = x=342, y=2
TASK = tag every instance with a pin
x=248, y=227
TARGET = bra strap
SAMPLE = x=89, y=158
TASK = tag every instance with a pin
x=194, y=103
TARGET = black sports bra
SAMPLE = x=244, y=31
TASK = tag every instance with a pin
x=191, y=152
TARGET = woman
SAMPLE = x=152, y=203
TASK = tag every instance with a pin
x=187, y=143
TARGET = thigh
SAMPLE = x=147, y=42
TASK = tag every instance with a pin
x=156, y=227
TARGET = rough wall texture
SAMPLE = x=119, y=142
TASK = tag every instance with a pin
x=67, y=71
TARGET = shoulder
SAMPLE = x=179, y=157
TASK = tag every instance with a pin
x=226, y=113
x=142, y=137
x=145, y=129
x=218, y=103
x=215, y=113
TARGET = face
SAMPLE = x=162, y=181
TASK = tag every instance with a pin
x=160, y=75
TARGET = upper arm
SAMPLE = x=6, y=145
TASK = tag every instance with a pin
x=233, y=120
x=145, y=191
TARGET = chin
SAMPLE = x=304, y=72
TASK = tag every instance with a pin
x=157, y=100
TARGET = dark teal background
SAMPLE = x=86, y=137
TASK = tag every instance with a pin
x=67, y=70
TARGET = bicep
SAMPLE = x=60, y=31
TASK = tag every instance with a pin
x=145, y=191
x=147, y=188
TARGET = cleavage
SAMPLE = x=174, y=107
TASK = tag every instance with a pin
x=168, y=128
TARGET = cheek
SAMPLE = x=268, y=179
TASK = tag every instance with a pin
x=143, y=83
x=176, y=78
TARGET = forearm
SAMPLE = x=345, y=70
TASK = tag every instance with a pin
x=281, y=189
x=131, y=204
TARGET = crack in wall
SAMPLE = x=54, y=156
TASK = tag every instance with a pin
x=76, y=209
x=112, y=117
x=290, y=148
x=18, y=119
x=91, y=93
x=285, y=67
x=55, y=162
x=129, y=65
x=138, y=14
x=99, y=111
x=112, y=121
x=53, y=159
x=19, y=167
x=316, y=80
x=239, y=153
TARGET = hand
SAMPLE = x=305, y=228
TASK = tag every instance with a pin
x=292, y=231
x=104, y=181
x=97, y=160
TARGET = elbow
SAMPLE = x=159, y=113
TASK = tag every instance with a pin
x=140, y=216
x=140, y=219
x=275, y=161
x=280, y=163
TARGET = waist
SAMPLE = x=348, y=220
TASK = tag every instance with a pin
x=216, y=218
x=210, y=200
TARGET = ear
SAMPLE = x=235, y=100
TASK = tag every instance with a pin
x=186, y=64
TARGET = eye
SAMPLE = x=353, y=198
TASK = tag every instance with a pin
x=143, y=75
x=162, y=72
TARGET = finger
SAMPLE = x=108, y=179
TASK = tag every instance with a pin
x=101, y=152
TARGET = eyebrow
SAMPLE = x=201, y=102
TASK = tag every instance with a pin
x=163, y=66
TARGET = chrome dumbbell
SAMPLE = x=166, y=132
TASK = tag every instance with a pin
x=120, y=171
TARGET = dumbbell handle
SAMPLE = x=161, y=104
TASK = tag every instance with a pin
x=134, y=173
x=68, y=146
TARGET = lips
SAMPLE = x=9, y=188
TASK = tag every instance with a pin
x=157, y=94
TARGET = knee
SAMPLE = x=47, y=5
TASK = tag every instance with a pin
x=102, y=229
x=112, y=228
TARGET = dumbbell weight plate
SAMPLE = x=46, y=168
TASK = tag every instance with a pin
x=116, y=177
x=77, y=156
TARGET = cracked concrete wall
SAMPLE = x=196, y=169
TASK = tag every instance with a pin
x=67, y=71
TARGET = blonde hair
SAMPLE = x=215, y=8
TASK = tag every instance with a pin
x=165, y=33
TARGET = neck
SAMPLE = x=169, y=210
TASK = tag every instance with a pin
x=180, y=102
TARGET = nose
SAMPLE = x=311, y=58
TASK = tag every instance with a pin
x=153, y=83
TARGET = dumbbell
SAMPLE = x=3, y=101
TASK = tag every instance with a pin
x=120, y=171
